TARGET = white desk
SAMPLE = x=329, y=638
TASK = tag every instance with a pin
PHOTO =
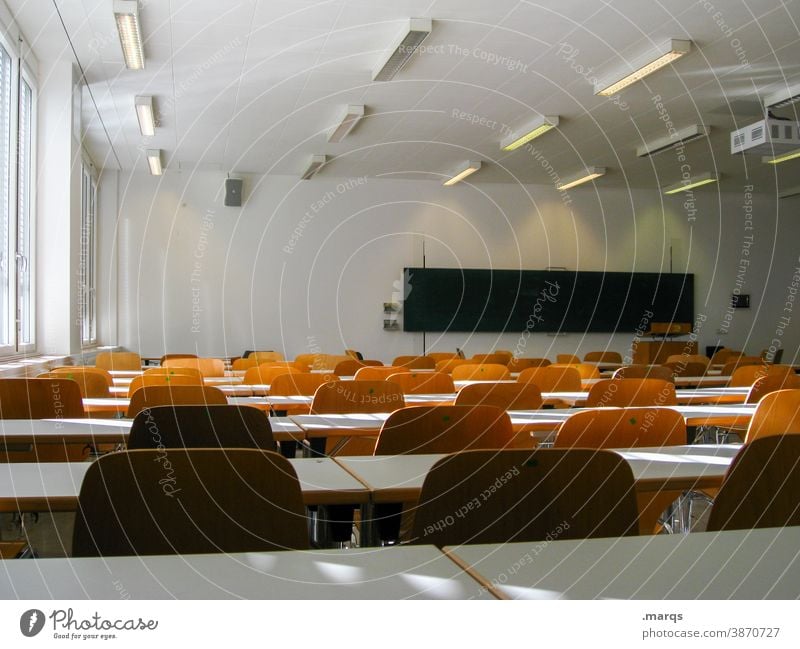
x=54, y=486
x=71, y=431
x=403, y=572
x=754, y=564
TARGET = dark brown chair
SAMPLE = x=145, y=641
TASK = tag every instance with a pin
x=201, y=427
x=505, y=496
x=189, y=501
x=761, y=488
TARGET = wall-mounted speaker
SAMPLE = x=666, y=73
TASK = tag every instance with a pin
x=233, y=192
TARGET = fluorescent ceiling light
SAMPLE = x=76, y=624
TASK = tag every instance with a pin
x=351, y=117
x=315, y=164
x=590, y=173
x=154, y=161
x=417, y=31
x=536, y=128
x=784, y=97
x=684, y=135
x=468, y=169
x=691, y=183
x=126, y=13
x=783, y=157
x=665, y=54
x=144, y=113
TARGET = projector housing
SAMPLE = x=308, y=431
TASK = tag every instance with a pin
x=767, y=137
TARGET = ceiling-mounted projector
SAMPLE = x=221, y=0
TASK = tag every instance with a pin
x=768, y=137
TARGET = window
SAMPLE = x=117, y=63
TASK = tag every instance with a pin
x=88, y=295
x=17, y=147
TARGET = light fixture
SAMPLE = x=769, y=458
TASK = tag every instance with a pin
x=468, y=169
x=393, y=62
x=315, y=164
x=691, y=183
x=784, y=97
x=126, y=13
x=678, y=138
x=590, y=173
x=351, y=117
x=144, y=113
x=536, y=128
x=783, y=157
x=664, y=54
x=154, y=161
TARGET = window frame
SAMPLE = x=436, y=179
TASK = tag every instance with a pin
x=88, y=255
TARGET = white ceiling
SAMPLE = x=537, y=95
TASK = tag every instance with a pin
x=256, y=85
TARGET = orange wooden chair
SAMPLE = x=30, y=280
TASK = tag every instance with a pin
x=207, y=366
x=569, y=359
x=777, y=413
x=519, y=364
x=603, y=357
x=558, y=378
x=443, y=356
x=415, y=362
x=772, y=383
x=687, y=369
x=506, y=396
x=477, y=372
x=495, y=358
x=631, y=392
x=266, y=357
x=93, y=382
x=118, y=361
x=351, y=366
x=645, y=372
x=688, y=358
x=171, y=371
x=448, y=365
x=378, y=373
x=731, y=365
x=174, y=395
x=746, y=375
x=423, y=382
x=242, y=364
x=149, y=380
x=297, y=383
x=585, y=370
x=167, y=357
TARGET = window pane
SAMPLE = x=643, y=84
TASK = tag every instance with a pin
x=87, y=275
x=7, y=244
x=24, y=241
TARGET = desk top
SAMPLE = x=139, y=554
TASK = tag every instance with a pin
x=402, y=572
x=748, y=564
x=100, y=431
x=54, y=486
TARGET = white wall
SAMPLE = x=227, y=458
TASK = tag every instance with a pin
x=195, y=276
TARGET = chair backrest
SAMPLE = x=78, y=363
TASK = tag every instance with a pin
x=506, y=396
x=118, y=361
x=631, y=392
x=48, y=398
x=189, y=501
x=772, y=383
x=494, y=358
x=201, y=427
x=777, y=413
x=444, y=429
x=93, y=382
x=321, y=361
x=357, y=396
x=688, y=358
x=242, y=364
x=731, y=365
x=645, y=372
x=148, y=380
x=761, y=487
x=481, y=372
x=207, y=366
x=690, y=368
x=603, y=357
x=519, y=364
x=443, y=356
x=552, y=378
x=745, y=375
x=351, y=366
x=568, y=359
x=354, y=353
x=298, y=383
x=167, y=357
x=423, y=382
x=448, y=365
x=265, y=374
x=719, y=356
x=171, y=371
x=498, y=497
x=585, y=370
x=266, y=357
x=415, y=362
x=622, y=428
x=169, y=395
x=378, y=373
